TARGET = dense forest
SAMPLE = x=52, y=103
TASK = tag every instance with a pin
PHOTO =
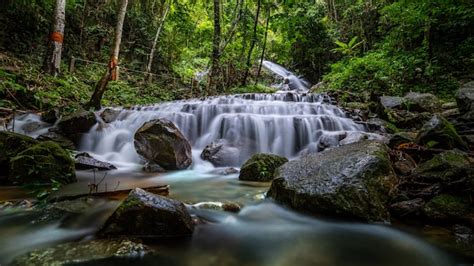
x=237, y=132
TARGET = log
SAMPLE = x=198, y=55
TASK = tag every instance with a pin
x=114, y=195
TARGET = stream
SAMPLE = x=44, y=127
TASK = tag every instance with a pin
x=290, y=122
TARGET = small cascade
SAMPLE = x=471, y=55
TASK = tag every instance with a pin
x=290, y=81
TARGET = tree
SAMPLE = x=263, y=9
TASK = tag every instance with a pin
x=52, y=62
x=216, y=51
x=111, y=73
x=264, y=44
x=155, y=42
x=252, y=45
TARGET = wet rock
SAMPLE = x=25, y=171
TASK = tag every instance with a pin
x=85, y=161
x=422, y=102
x=153, y=168
x=58, y=138
x=449, y=105
x=401, y=138
x=10, y=145
x=30, y=127
x=351, y=181
x=218, y=206
x=392, y=102
x=42, y=163
x=380, y=125
x=407, y=208
x=450, y=113
x=77, y=123
x=405, y=119
x=439, y=133
x=109, y=115
x=465, y=98
x=221, y=153
x=68, y=209
x=353, y=137
x=403, y=164
x=50, y=116
x=83, y=252
x=261, y=167
x=146, y=215
x=449, y=209
x=160, y=141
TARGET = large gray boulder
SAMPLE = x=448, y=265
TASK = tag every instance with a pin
x=160, y=141
x=352, y=181
x=146, y=215
x=465, y=98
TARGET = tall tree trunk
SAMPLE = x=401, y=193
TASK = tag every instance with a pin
x=52, y=62
x=155, y=42
x=252, y=45
x=215, y=67
x=264, y=45
x=111, y=73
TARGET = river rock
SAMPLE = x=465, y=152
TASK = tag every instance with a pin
x=261, y=167
x=439, y=133
x=58, y=138
x=465, y=98
x=91, y=252
x=401, y=138
x=160, y=141
x=422, y=102
x=352, y=181
x=85, y=161
x=42, y=163
x=10, y=145
x=449, y=209
x=406, y=208
x=77, y=123
x=392, y=102
x=146, y=215
x=221, y=153
x=109, y=115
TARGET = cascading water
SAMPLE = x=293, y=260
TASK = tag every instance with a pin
x=290, y=80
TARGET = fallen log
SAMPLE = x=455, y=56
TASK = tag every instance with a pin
x=162, y=190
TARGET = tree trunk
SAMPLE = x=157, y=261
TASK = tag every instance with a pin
x=215, y=68
x=52, y=63
x=155, y=42
x=264, y=46
x=252, y=45
x=111, y=73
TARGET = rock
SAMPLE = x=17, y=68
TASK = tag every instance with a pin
x=221, y=153
x=146, y=215
x=439, y=133
x=10, y=145
x=230, y=171
x=465, y=98
x=458, y=239
x=353, y=137
x=218, y=206
x=330, y=140
x=83, y=252
x=77, y=123
x=403, y=164
x=42, y=163
x=449, y=166
x=58, y=138
x=450, y=113
x=380, y=125
x=50, y=116
x=449, y=209
x=405, y=119
x=422, y=102
x=30, y=127
x=261, y=167
x=68, y=210
x=109, y=115
x=153, y=168
x=392, y=102
x=351, y=181
x=160, y=141
x=449, y=105
x=401, y=138
x=85, y=161
x=407, y=208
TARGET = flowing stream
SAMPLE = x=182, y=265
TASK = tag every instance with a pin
x=290, y=122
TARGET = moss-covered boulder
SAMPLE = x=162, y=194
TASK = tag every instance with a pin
x=422, y=102
x=449, y=209
x=465, y=98
x=42, y=163
x=76, y=124
x=10, y=145
x=146, y=215
x=439, y=133
x=160, y=141
x=352, y=181
x=90, y=253
x=261, y=167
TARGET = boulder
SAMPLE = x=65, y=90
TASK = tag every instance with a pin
x=58, y=138
x=153, y=168
x=422, y=102
x=10, y=145
x=160, y=141
x=449, y=209
x=77, y=123
x=392, y=102
x=405, y=119
x=85, y=161
x=109, y=115
x=401, y=138
x=403, y=164
x=42, y=163
x=380, y=125
x=146, y=215
x=261, y=167
x=221, y=153
x=352, y=181
x=439, y=133
x=91, y=252
x=407, y=208
x=465, y=98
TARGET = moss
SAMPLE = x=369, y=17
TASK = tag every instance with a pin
x=10, y=145
x=439, y=133
x=261, y=167
x=449, y=208
x=42, y=163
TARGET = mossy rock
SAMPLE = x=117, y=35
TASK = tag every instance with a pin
x=77, y=123
x=449, y=209
x=261, y=167
x=42, y=163
x=10, y=145
x=401, y=138
x=446, y=167
x=439, y=133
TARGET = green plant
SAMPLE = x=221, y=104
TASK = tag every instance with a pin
x=349, y=48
